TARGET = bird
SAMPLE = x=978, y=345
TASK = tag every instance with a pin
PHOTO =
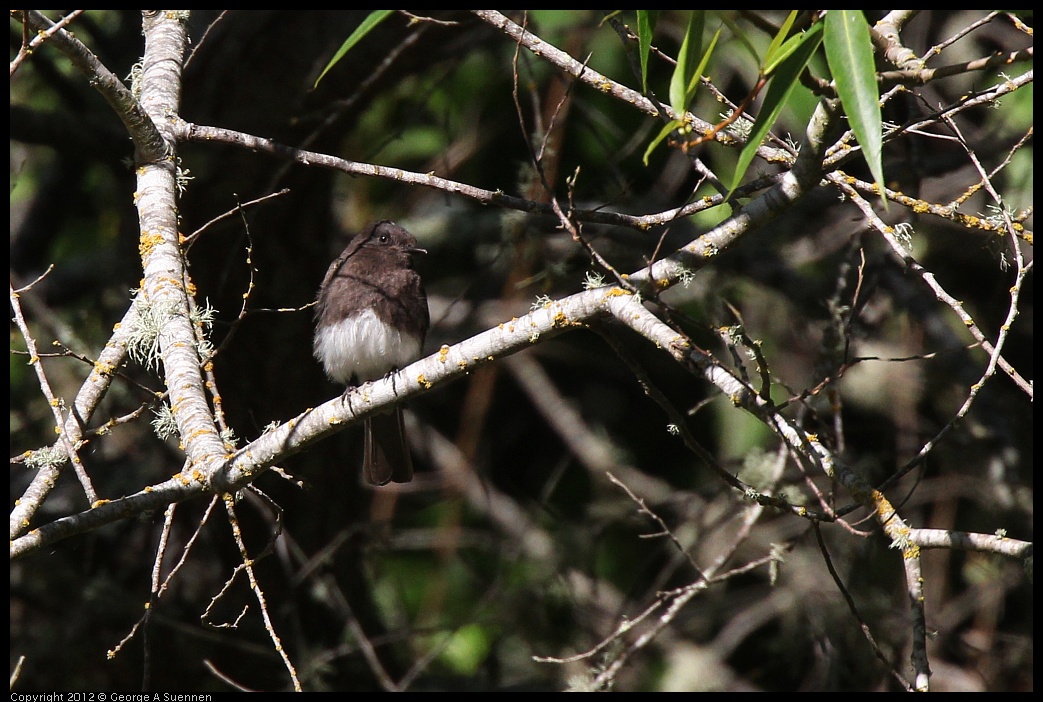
x=372, y=319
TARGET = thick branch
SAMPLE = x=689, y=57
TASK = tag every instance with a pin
x=160, y=247
x=312, y=425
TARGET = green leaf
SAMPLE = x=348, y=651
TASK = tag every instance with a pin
x=663, y=133
x=779, y=52
x=849, y=53
x=467, y=649
x=372, y=20
x=786, y=78
x=690, y=90
x=697, y=74
x=685, y=80
x=774, y=55
x=646, y=21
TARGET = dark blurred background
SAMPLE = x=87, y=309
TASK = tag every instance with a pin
x=512, y=543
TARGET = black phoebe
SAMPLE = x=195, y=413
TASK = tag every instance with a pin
x=371, y=319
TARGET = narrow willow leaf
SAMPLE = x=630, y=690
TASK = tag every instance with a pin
x=693, y=85
x=663, y=133
x=773, y=54
x=786, y=78
x=691, y=48
x=697, y=74
x=849, y=53
x=646, y=21
x=372, y=20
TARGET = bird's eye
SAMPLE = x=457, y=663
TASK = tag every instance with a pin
x=383, y=238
